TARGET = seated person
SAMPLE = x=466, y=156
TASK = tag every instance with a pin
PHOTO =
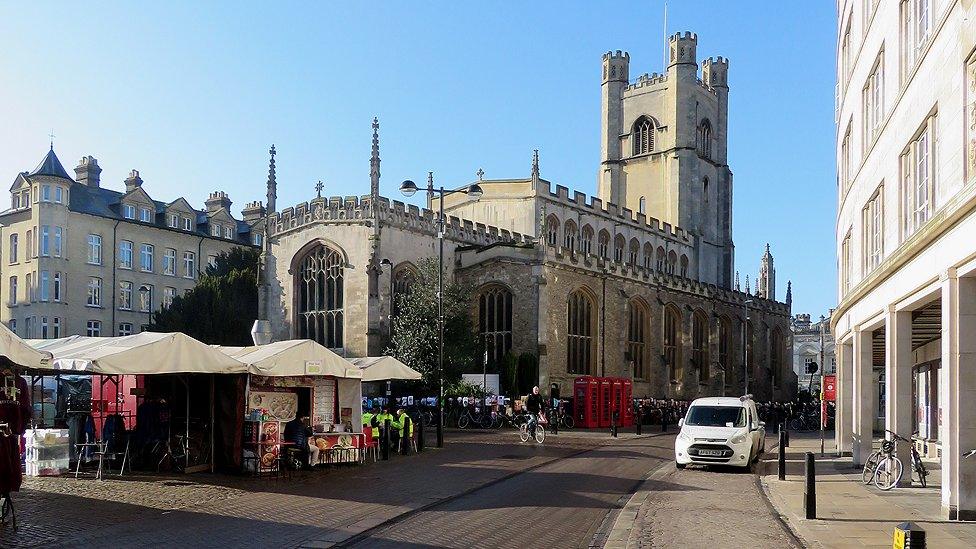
x=298, y=432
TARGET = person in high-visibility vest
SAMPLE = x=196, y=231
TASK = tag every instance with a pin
x=404, y=425
x=370, y=421
x=381, y=422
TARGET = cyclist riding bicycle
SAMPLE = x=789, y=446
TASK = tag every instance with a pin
x=533, y=405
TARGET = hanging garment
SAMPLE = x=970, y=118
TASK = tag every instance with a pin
x=16, y=413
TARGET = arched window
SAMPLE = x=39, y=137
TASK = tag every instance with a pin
x=776, y=352
x=705, y=139
x=604, y=244
x=660, y=259
x=320, y=297
x=699, y=345
x=643, y=136
x=648, y=256
x=642, y=205
x=580, y=345
x=672, y=262
x=495, y=323
x=672, y=326
x=637, y=330
x=684, y=265
x=619, y=243
x=404, y=277
x=586, y=240
x=705, y=190
x=552, y=230
x=569, y=236
x=634, y=254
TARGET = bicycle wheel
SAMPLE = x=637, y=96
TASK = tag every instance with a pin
x=796, y=424
x=569, y=422
x=919, y=468
x=464, y=421
x=888, y=473
x=870, y=465
x=540, y=434
x=524, y=432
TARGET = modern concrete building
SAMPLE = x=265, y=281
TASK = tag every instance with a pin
x=905, y=325
x=78, y=258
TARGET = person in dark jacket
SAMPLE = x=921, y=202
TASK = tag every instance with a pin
x=533, y=405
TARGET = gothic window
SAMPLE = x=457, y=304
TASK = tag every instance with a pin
x=404, y=279
x=569, y=236
x=634, y=252
x=320, y=297
x=619, y=242
x=672, y=261
x=699, y=345
x=684, y=265
x=580, y=352
x=648, y=256
x=643, y=136
x=705, y=190
x=604, y=244
x=724, y=344
x=495, y=323
x=552, y=230
x=660, y=259
x=705, y=139
x=586, y=240
x=637, y=338
x=672, y=358
x=776, y=355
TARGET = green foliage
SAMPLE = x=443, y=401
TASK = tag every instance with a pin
x=460, y=387
x=223, y=305
x=510, y=370
x=415, y=341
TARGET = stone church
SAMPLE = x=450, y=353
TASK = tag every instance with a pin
x=636, y=282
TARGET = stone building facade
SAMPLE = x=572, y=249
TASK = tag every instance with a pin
x=78, y=258
x=812, y=342
x=636, y=282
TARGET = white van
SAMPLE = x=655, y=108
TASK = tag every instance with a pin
x=720, y=431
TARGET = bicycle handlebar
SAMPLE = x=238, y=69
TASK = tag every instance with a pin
x=897, y=436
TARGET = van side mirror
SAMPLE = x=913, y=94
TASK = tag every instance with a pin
x=681, y=422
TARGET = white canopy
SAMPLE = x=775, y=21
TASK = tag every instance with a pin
x=381, y=368
x=20, y=352
x=143, y=353
x=293, y=357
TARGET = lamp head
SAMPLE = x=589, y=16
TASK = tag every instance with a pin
x=408, y=188
x=475, y=191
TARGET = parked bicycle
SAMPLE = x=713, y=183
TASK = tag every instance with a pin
x=477, y=418
x=809, y=421
x=890, y=468
x=563, y=419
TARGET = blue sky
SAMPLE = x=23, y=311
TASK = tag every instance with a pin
x=192, y=96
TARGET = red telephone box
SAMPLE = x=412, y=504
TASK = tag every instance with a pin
x=615, y=402
x=626, y=403
x=606, y=400
x=586, y=402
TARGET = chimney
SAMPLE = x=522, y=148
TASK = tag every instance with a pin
x=87, y=172
x=133, y=181
x=218, y=200
x=253, y=212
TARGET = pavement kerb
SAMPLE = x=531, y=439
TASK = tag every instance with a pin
x=764, y=490
x=354, y=538
x=623, y=518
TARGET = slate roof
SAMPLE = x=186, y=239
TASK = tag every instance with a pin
x=51, y=166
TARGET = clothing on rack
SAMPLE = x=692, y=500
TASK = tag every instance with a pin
x=15, y=411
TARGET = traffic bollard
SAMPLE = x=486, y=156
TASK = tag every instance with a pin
x=386, y=440
x=554, y=424
x=810, y=489
x=420, y=436
x=787, y=431
x=613, y=425
x=640, y=420
x=908, y=535
x=782, y=455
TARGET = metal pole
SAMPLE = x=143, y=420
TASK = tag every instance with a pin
x=823, y=405
x=440, y=323
x=782, y=456
x=745, y=345
x=810, y=489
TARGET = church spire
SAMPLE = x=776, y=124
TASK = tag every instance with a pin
x=766, y=281
x=272, y=182
x=748, y=291
x=535, y=164
x=789, y=293
x=430, y=190
x=374, y=162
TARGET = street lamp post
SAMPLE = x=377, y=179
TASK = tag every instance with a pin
x=745, y=342
x=409, y=188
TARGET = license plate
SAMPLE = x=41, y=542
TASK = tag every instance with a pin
x=716, y=453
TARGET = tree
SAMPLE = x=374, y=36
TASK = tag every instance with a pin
x=223, y=305
x=414, y=339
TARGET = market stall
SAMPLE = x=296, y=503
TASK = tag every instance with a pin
x=291, y=380
x=384, y=368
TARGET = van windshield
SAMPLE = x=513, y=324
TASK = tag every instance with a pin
x=717, y=416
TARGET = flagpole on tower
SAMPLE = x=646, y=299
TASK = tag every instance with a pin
x=665, y=68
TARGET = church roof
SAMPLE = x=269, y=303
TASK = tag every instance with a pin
x=51, y=166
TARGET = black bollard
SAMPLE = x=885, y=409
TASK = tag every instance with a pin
x=613, y=424
x=640, y=420
x=554, y=424
x=420, y=436
x=782, y=455
x=810, y=490
x=787, y=431
x=385, y=446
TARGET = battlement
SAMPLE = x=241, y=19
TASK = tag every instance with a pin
x=647, y=80
x=616, y=55
x=715, y=72
x=687, y=36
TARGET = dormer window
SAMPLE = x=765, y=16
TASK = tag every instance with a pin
x=187, y=224
x=257, y=239
x=128, y=211
x=15, y=201
x=144, y=215
x=174, y=221
x=215, y=230
x=228, y=232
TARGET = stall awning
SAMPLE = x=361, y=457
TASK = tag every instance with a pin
x=381, y=368
x=19, y=352
x=294, y=357
x=143, y=353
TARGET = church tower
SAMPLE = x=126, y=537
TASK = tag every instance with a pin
x=664, y=148
x=766, y=281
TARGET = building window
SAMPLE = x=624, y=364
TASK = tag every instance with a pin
x=751, y=349
x=146, y=258
x=125, y=254
x=845, y=264
x=45, y=283
x=187, y=224
x=569, y=236
x=56, y=326
x=580, y=352
x=873, y=97
x=29, y=327
x=13, y=325
x=642, y=206
x=125, y=296
x=174, y=221
x=211, y=262
x=699, y=345
x=684, y=266
x=403, y=280
x=872, y=220
x=57, y=286
x=59, y=198
x=215, y=230
x=633, y=253
x=705, y=190
x=128, y=211
x=169, y=294
x=552, y=230
x=705, y=139
x=125, y=328
x=603, y=246
x=45, y=240
x=30, y=288
x=31, y=250
x=257, y=239
x=45, y=193
x=845, y=161
x=672, y=262
x=94, y=249
x=169, y=262
x=672, y=355
x=94, y=292
x=643, y=136
x=13, y=290
x=320, y=281
x=661, y=259
x=724, y=345
x=917, y=174
x=637, y=330
x=44, y=326
x=229, y=232
x=58, y=241
x=648, y=256
x=13, y=248
x=495, y=323
x=189, y=265
x=916, y=27
x=845, y=51
x=94, y=328
x=146, y=298
x=619, y=242
x=144, y=215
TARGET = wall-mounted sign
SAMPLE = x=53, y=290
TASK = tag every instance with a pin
x=313, y=367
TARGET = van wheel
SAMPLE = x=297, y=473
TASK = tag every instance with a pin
x=680, y=465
